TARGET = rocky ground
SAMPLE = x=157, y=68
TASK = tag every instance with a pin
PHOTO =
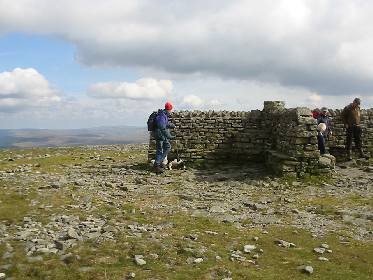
x=99, y=212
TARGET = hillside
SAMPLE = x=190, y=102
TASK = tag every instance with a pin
x=25, y=138
x=99, y=212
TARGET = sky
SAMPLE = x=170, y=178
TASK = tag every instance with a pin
x=90, y=63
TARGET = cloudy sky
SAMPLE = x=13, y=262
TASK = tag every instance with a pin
x=87, y=63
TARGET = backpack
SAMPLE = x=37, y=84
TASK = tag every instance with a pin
x=151, y=121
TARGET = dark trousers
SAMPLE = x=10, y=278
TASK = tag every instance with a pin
x=355, y=133
x=321, y=143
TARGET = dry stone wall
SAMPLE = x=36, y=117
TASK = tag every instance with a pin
x=284, y=139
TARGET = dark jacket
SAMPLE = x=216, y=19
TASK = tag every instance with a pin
x=162, y=131
x=351, y=116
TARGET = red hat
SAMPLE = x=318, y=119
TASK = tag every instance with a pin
x=168, y=106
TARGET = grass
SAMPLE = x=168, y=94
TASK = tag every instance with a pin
x=349, y=201
x=170, y=252
x=14, y=205
x=314, y=180
x=58, y=158
x=114, y=260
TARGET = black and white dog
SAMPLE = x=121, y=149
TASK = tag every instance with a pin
x=172, y=162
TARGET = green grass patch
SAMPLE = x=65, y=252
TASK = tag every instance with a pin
x=329, y=205
x=170, y=252
x=14, y=205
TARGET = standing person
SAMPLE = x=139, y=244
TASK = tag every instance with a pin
x=324, y=117
x=351, y=119
x=162, y=136
x=321, y=138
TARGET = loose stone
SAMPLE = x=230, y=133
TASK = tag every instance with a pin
x=139, y=259
x=198, y=260
x=308, y=269
x=319, y=250
x=35, y=259
x=249, y=248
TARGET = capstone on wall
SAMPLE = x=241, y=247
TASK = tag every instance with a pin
x=284, y=139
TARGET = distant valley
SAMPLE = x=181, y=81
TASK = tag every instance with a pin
x=26, y=138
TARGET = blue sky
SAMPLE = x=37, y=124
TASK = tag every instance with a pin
x=55, y=59
x=83, y=63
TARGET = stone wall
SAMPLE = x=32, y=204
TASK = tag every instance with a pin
x=215, y=136
x=284, y=139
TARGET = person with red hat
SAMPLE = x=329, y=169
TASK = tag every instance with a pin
x=162, y=136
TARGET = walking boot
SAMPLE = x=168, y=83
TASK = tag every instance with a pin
x=349, y=154
x=158, y=170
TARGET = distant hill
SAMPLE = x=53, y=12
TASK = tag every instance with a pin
x=24, y=138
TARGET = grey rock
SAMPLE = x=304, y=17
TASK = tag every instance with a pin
x=198, y=260
x=92, y=235
x=85, y=269
x=249, y=248
x=217, y=209
x=6, y=266
x=61, y=245
x=43, y=250
x=71, y=233
x=2, y=275
x=35, y=259
x=308, y=269
x=255, y=206
x=139, y=259
x=23, y=235
x=319, y=250
x=228, y=218
x=285, y=244
x=237, y=256
x=67, y=258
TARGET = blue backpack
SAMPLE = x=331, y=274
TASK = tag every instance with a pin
x=152, y=125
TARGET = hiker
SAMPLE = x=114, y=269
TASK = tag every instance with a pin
x=315, y=113
x=321, y=137
x=351, y=119
x=323, y=117
x=162, y=136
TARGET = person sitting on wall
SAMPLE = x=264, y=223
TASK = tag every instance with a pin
x=321, y=128
x=351, y=119
x=324, y=117
x=162, y=136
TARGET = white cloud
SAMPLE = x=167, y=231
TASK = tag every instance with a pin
x=214, y=102
x=191, y=102
x=321, y=45
x=217, y=94
x=146, y=88
x=314, y=99
x=21, y=89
